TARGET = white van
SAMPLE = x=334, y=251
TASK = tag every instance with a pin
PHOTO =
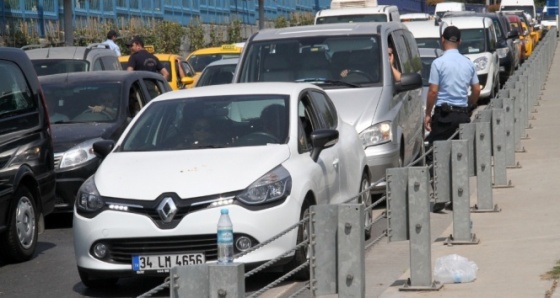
x=443, y=7
x=380, y=13
x=527, y=6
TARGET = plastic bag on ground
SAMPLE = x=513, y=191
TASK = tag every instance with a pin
x=454, y=269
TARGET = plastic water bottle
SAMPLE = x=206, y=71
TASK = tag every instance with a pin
x=225, y=238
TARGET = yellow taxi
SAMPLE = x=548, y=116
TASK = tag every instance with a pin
x=181, y=75
x=202, y=57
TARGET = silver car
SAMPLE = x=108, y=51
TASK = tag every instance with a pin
x=351, y=63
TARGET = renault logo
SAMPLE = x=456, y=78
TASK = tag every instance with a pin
x=167, y=209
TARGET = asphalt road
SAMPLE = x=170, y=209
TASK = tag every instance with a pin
x=52, y=272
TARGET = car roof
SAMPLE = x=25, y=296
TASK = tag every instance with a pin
x=423, y=29
x=78, y=53
x=244, y=88
x=352, y=11
x=102, y=76
x=336, y=29
x=468, y=22
x=229, y=61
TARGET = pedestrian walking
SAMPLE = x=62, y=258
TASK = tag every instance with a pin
x=451, y=75
x=142, y=59
x=111, y=37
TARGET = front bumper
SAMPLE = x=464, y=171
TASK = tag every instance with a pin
x=121, y=226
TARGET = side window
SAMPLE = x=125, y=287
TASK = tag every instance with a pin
x=110, y=63
x=325, y=108
x=403, y=58
x=97, y=65
x=492, y=37
x=134, y=100
x=306, y=124
x=189, y=71
x=416, y=61
x=16, y=99
x=154, y=89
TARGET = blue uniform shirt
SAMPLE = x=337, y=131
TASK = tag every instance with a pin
x=454, y=74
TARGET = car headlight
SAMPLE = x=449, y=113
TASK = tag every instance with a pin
x=480, y=63
x=272, y=186
x=502, y=52
x=78, y=154
x=88, y=198
x=377, y=134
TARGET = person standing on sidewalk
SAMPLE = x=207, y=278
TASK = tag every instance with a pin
x=142, y=59
x=451, y=75
x=111, y=37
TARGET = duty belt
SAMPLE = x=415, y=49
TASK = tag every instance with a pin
x=450, y=108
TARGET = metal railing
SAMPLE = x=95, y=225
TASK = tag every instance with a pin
x=486, y=148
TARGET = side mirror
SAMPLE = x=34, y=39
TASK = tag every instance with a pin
x=103, y=148
x=187, y=80
x=409, y=81
x=321, y=139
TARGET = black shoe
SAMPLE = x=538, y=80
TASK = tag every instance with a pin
x=438, y=207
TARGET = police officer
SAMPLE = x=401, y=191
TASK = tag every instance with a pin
x=450, y=78
x=142, y=59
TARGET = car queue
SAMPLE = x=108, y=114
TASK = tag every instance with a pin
x=168, y=181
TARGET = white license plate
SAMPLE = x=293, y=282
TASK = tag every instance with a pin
x=162, y=263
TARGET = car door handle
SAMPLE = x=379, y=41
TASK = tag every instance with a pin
x=335, y=164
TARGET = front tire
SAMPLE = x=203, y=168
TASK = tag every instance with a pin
x=301, y=255
x=20, y=240
x=366, y=200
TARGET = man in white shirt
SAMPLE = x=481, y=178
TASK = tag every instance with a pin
x=111, y=37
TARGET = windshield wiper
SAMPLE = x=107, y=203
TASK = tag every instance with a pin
x=324, y=81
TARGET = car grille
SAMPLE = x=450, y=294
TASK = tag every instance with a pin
x=57, y=160
x=482, y=79
x=122, y=250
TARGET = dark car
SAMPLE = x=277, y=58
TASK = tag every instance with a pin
x=27, y=178
x=87, y=107
x=506, y=38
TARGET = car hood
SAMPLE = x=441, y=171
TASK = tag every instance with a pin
x=354, y=104
x=188, y=173
x=67, y=135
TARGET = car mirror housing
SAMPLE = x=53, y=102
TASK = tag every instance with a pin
x=103, y=148
x=321, y=139
x=187, y=80
x=513, y=34
x=409, y=81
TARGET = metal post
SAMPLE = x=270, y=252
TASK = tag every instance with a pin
x=351, y=254
x=420, y=239
x=189, y=281
x=466, y=132
x=323, y=224
x=498, y=149
x=461, y=195
x=397, y=209
x=483, y=148
x=510, y=133
x=442, y=171
x=227, y=280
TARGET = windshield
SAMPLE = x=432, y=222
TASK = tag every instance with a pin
x=472, y=41
x=528, y=9
x=199, y=62
x=211, y=122
x=426, y=66
x=433, y=43
x=96, y=102
x=355, y=18
x=549, y=17
x=329, y=61
x=45, y=67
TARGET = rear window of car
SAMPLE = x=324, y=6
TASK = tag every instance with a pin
x=18, y=108
x=45, y=67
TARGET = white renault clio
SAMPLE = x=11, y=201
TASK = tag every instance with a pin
x=266, y=151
